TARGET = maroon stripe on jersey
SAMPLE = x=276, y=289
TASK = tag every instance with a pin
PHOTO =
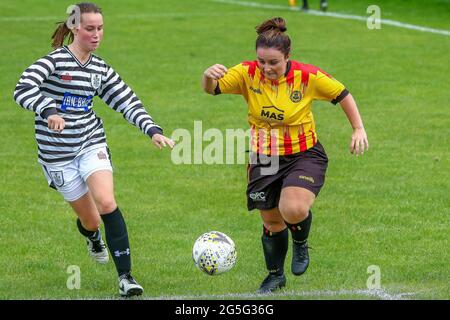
x=306, y=70
x=302, y=140
x=292, y=65
x=305, y=79
x=261, y=140
x=313, y=136
x=251, y=67
x=287, y=142
x=262, y=77
x=254, y=140
x=273, y=145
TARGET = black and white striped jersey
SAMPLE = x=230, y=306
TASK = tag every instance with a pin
x=59, y=84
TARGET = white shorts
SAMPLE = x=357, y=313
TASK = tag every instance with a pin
x=70, y=179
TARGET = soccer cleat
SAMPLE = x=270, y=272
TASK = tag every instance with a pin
x=300, y=258
x=98, y=251
x=272, y=283
x=128, y=287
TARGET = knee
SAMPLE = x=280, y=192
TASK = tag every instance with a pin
x=274, y=225
x=106, y=205
x=294, y=212
x=91, y=224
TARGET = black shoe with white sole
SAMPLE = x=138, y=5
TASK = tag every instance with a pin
x=98, y=251
x=128, y=287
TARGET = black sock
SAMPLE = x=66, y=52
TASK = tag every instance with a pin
x=300, y=230
x=92, y=235
x=117, y=240
x=275, y=245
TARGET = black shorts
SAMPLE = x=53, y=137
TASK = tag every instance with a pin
x=305, y=169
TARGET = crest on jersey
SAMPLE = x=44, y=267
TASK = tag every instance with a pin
x=296, y=96
x=57, y=178
x=96, y=80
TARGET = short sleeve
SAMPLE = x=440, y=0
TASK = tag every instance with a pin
x=329, y=89
x=232, y=82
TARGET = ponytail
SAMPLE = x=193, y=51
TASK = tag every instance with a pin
x=60, y=34
x=63, y=31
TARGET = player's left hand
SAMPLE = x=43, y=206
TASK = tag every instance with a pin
x=359, y=142
x=161, y=141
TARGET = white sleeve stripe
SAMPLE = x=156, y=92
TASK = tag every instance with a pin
x=142, y=118
x=38, y=68
x=146, y=125
x=110, y=87
x=29, y=77
x=124, y=92
x=124, y=103
x=37, y=74
x=28, y=81
x=45, y=102
x=48, y=63
x=29, y=94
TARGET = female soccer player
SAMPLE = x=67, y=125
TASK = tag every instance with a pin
x=279, y=93
x=72, y=149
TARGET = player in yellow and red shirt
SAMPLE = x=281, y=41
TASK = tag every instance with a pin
x=279, y=93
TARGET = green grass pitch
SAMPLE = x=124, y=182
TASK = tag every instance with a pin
x=389, y=208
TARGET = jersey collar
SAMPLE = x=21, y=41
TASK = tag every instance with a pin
x=76, y=59
x=288, y=68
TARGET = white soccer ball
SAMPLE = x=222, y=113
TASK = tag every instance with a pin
x=214, y=253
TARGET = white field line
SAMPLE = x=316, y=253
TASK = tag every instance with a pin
x=111, y=18
x=240, y=3
x=381, y=294
x=335, y=15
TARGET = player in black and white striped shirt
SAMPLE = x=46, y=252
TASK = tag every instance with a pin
x=59, y=88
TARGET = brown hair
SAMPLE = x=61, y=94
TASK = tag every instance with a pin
x=63, y=31
x=271, y=35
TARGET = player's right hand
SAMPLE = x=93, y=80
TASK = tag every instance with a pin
x=56, y=123
x=161, y=141
x=215, y=72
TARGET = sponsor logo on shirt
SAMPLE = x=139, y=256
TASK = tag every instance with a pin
x=74, y=101
x=257, y=90
x=66, y=77
x=272, y=112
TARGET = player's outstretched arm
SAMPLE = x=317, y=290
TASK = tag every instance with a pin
x=359, y=142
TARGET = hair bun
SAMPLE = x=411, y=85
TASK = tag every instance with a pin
x=277, y=24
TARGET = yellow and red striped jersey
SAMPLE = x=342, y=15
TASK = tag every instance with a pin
x=279, y=112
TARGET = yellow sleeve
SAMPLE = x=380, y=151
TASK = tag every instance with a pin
x=233, y=81
x=329, y=89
